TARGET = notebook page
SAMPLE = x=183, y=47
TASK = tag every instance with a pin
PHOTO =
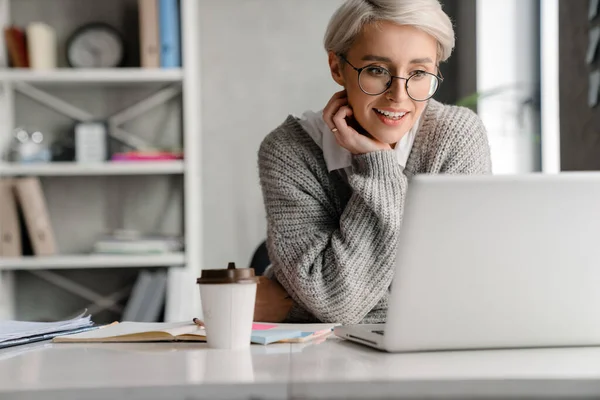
x=187, y=329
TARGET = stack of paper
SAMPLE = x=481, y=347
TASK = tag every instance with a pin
x=21, y=332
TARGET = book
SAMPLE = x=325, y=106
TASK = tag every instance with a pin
x=149, y=38
x=307, y=332
x=147, y=155
x=16, y=47
x=274, y=336
x=41, y=46
x=133, y=332
x=141, y=244
x=35, y=213
x=170, y=43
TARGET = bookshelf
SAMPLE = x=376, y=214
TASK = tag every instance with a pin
x=87, y=200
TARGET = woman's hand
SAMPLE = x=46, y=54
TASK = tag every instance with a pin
x=335, y=114
x=273, y=304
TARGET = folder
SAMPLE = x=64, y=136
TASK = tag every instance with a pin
x=10, y=230
x=138, y=295
x=35, y=213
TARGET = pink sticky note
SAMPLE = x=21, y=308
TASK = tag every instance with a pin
x=262, y=327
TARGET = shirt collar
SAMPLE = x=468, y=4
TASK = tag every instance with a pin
x=337, y=157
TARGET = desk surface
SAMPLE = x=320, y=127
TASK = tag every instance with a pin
x=334, y=369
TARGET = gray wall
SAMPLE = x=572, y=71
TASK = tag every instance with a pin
x=261, y=60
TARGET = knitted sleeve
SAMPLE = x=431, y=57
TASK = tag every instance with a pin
x=337, y=269
x=468, y=149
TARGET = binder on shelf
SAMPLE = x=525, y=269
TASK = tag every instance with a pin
x=155, y=298
x=35, y=213
x=170, y=48
x=147, y=297
x=10, y=230
x=149, y=36
x=137, y=297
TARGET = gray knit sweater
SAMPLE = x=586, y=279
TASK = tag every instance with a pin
x=332, y=240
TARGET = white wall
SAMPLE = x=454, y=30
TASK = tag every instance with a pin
x=507, y=55
x=261, y=60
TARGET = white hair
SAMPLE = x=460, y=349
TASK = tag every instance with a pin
x=350, y=18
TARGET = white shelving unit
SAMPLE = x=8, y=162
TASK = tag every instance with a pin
x=100, y=169
x=154, y=179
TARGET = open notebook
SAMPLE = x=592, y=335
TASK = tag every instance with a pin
x=262, y=333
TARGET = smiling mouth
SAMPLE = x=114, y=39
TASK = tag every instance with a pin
x=391, y=115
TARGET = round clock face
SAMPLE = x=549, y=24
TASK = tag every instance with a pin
x=95, y=46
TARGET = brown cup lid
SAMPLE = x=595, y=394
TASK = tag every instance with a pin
x=229, y=275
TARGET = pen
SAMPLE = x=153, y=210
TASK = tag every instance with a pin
x=198, y=322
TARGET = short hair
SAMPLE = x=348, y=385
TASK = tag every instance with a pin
x=350, y=18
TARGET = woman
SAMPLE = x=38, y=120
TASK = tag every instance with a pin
x=334, y=182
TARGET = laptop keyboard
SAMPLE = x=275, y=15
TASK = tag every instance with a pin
x=378, y=332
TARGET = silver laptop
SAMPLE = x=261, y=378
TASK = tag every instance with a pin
x=494, y=262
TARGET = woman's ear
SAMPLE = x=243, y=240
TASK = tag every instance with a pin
x=336, y=68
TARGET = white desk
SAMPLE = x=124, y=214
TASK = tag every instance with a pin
x=334, y=369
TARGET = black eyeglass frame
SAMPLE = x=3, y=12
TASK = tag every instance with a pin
x=439, y=77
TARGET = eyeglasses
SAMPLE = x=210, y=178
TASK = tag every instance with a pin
x=375, y=80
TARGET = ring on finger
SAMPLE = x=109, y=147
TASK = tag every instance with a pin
x=334, y=130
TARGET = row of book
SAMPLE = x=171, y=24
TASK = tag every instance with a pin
x=34, y=47
x=160, y=36
x=160, y=39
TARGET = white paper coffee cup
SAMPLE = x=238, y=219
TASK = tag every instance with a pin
x=228, y=297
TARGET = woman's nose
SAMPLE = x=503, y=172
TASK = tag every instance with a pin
x=397, y=90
